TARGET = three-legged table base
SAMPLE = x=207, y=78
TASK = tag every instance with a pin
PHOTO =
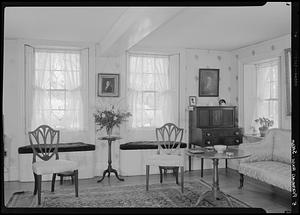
x=108, y=171
x=215, y=195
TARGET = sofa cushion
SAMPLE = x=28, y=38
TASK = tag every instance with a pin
x=271, y=172
x=282, y=146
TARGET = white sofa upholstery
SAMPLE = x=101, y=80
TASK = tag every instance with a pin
x=270, y=159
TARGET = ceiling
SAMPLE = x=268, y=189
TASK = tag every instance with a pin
x=75, y=24
x=217, y=28
x=222, y=28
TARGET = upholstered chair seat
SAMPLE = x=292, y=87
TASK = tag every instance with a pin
x=53, y=166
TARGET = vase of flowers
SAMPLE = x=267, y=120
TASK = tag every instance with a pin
x=110, y=118
x=265, y=124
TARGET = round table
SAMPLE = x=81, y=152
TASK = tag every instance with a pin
x=215, y=157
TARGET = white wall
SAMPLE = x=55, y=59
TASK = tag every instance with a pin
x=264, y=50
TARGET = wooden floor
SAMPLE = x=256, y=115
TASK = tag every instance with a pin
x=255, y=193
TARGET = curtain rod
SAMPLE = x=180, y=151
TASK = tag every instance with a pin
x=57, y=48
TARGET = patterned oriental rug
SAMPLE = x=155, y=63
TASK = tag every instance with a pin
x=165, y=195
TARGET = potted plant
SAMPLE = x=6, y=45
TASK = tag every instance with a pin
x=265, y=123
x=110, y=118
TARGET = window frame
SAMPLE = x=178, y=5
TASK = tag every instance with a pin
x=128, y=55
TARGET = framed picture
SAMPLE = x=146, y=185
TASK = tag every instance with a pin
x=108, y=85
x=192, y=101
x=208, y=82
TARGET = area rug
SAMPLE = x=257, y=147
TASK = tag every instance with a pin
x=165, y=195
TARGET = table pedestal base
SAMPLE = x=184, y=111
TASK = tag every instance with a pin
x=108, y=171
x=215, y=195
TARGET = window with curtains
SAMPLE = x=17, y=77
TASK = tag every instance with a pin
x=56, y=88
x=152, y=89
x=267, y=80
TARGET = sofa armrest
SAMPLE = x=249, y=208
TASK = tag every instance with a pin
x=260, y=151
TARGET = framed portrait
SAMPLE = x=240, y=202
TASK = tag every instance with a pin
x=108, y=85
x=208, y=82
x=192, y=101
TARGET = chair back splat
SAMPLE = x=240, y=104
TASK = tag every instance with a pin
x=169, y=138
x=44, y=142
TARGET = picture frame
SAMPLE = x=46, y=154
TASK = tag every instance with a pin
x=108, y=85
x=192, y=101
x=209, y=82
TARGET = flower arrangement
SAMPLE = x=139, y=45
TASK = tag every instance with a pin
x=110, y=118
x=265, y=123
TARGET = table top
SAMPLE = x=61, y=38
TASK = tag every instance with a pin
x=212, y=154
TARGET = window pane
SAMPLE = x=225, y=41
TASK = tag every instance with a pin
x=274, y=90
x=57, y=80
x=148, y=101
x=148, y=82
x=148, y=118
x=57, y=118
x=57, y=100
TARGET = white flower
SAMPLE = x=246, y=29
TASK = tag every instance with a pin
x=115, y=118
x=103, y=115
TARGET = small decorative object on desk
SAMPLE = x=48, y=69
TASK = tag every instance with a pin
x=220, y=148
x=229, y=154
x=110, y=118
x=222, y=102
x=265, y=124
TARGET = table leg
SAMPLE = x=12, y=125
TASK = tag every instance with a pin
x=202, y=162
x=215, y=191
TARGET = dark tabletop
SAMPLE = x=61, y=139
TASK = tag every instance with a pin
x=62, y=147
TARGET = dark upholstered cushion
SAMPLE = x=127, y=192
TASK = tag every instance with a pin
x=62, y=147
x=143, y=145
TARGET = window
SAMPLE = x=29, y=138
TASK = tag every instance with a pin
x=57, y=89
x=152, y=90
x=288, y=72
x=267, y=90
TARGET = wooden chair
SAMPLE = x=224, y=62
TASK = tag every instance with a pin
x=44, y=142
x=169, y=155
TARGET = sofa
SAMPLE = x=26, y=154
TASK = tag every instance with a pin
x=270, y=159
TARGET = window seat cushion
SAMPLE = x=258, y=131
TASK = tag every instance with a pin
x=143, y=145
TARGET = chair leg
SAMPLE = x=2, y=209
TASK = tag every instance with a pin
x=53, y=182
x=182, y=177
x=161, y=174
x=76, y=182
x=202, y=162
x=147, y=177
x=72, y=179
x=241, y=181
x=176, y=169
x=39, y=188
x=35, y=184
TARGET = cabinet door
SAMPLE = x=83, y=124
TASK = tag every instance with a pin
x=228, y=118
x=216, y=117
x=203, y=118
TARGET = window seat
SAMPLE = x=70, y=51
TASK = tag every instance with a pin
x=143, y=145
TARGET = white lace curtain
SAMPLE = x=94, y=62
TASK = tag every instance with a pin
x=152, y=90
x=267, y=83
x=56, y=88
